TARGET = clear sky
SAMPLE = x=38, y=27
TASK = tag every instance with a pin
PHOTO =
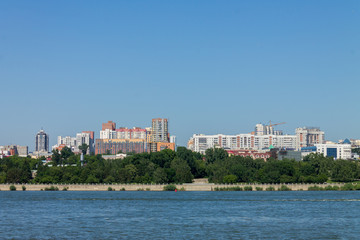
x=209, y=66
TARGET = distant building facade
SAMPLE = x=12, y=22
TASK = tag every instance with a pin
x=254, y=154
x=42, y=142
x=160, y=131
x=309, y=136
x=289, y=154
x=264, y=137
x=115, y=146
x=109, y=125
x=136, y=139
x=261, y=129
x=11, y=150
x=200, y=142
x=85, y=137
x=337, y=151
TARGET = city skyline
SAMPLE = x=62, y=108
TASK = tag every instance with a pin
x=112, y=125
x=208, y=68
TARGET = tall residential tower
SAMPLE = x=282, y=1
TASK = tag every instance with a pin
x=42, y=142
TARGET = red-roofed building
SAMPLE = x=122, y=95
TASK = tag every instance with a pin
x=250, y=153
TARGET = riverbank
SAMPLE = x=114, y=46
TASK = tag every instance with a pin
x=160, y=187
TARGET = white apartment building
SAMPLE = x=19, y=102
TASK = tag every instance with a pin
x=68, y=141
x=200, y=142
x=84, y=138
x=173, y=139
x=261, y=129
x=338, y=151
x=75, y=142
x=108, y=134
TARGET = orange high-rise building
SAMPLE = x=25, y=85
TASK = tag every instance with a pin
x=109, y=125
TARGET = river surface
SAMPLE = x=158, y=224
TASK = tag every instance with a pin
x=180, y=215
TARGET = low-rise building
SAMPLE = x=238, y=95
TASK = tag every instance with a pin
x=289, y=154
x=254, y=154
x=113, y=157
x=337, y=151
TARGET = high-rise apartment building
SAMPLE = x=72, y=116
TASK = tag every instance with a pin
x=309, y=136
x=42, y=142
x=264, y=137
x=91, y=141
x=159, y=129
x=160, y=137
x=85, y=137
x=200, y=142
x=135, y=139
x=123, y=140
x=261, y=129
x=109, y=125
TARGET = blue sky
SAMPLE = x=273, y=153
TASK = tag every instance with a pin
x=209, y=66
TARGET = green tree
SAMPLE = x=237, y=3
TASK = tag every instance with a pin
x=131, y=172
x=160, y=176
x=55, y=157
x=215, y=154
x=84, y=147
x=182, y=171
x=65, y=153
x=230, y=178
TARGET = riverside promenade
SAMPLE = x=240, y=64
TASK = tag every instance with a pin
x=160, y=187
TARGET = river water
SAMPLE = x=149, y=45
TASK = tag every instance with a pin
x=180, y=215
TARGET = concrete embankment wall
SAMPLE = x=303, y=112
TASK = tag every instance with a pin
x=158, y=187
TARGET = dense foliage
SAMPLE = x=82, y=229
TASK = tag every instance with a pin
x=181, y=166
x=315, y=168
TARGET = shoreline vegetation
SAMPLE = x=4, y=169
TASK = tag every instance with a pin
x=182, y=187
x=153, y=171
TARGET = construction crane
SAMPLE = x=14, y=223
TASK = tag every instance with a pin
x=275, y=124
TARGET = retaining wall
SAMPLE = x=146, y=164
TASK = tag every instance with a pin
x=158, y=187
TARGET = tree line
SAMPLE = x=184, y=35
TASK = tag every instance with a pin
x=180, y=166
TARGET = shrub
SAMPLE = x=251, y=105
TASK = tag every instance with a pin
x=228, y=189
x=315, y=188
x=12, y=188
x=65, y=188
x=122, y=189
x=110, y=189
x=270, y=189
x=23, y=188
x=284, y=188
x=331, y=188
x=347, y=187
x=147, y=189
x=52, y=188
x=170, y=187
x=230, y=178
x=140, y=189
x=182, y=189
x=248, y=188
x=259, y=188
